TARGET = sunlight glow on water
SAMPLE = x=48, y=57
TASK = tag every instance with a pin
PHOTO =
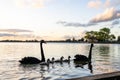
x=105, y=59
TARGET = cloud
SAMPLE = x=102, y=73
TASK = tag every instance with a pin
x=18, y=34
x=6, y=35
x=111, y=3
x=94, y=4
x=30, y=3
x=14, y=30
x=116, y=22
x=107, y=3
x=103, y=4
x=9, y=36
x=108, y=15
x=115, y=2
x=75, y=24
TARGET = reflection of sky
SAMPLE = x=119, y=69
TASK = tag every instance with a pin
x=53, y=49
x=116, y=50
x=106, y=58
x=42, y=16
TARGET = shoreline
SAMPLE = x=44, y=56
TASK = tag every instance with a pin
x=65, y=42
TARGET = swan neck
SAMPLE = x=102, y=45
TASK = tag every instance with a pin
x=90, y=52
x=42, y=53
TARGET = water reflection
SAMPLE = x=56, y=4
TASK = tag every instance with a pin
x=103, y=58
x=104, y=50
x=55, y=71
x=36, y=69
x=103, y=54
x=90, y=67
x=106, y=58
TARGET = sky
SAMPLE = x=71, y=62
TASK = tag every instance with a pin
x=56, y=19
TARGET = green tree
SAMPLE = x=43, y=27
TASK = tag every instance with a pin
x=91, y=35
x=101, y=35
x=104, y=34
x=118, y=38
x=111, y=37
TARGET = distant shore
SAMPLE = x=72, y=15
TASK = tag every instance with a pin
x=62, y=41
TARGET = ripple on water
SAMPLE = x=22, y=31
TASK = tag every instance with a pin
x=106, y=59
x=37, y=72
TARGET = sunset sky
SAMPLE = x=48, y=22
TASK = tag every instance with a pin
x=57, y=19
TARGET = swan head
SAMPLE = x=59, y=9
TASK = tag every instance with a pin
x=53, y=59
x=61, y=58
x=92, y=45
x=43, y=41
x=69, y=57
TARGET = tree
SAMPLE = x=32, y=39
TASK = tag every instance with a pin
x=90, y=36
x=68, y=40
x=105, y=30
x=111, y=37
x=118, y=38
x=101, y=35
x=104, y=34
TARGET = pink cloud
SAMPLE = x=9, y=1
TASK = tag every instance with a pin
x=109, y=14
x=103, y=4
x=107, y=3
x=94, y=4
x=30, y=3
x=115, y=2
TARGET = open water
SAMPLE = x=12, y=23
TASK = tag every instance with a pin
x=105, y=58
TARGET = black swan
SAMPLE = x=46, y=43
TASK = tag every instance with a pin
x=45, y=63
x=82, y=59
x=67, y=60
x=60, y=60
x=33, y=60
x=52, y=60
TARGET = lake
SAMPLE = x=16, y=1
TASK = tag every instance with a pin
x=105, y=58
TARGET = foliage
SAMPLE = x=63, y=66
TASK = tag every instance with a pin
x=118, y=38
x=101, y=35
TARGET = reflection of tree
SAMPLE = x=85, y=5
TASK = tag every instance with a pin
x=104, y=49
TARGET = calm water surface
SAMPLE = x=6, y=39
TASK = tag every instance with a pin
x=105, y=58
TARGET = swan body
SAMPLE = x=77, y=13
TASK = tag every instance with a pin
x=46, y=63
x=60, y=60
x=29, y=60
x=33, y=60
x=67, y=60
x=82, y=59
x=51, y=61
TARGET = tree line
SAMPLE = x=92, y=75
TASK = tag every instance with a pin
x=103, y=35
